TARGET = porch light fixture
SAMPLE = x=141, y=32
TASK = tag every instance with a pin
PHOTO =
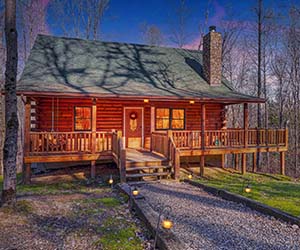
x=192, y=102
x=146, y=100
x=166, y=223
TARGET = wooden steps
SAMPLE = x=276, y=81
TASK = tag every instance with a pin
x=146, y=166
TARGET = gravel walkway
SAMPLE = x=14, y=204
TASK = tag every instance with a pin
x=203, y=221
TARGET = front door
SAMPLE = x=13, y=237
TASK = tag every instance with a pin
x=134, y=127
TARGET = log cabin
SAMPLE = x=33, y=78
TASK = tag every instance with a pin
x=145, y=108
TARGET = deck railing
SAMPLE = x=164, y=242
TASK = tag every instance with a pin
x=231, y=138
x=159, y=143
x=69, y=142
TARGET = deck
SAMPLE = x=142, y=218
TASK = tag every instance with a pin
x=166, y=147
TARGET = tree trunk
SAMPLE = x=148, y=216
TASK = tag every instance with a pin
x=11, y=117
x=259, y=30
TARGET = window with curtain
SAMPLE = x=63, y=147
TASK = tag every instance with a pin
x=169, y=118
x=83, y=118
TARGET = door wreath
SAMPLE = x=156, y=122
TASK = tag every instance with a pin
x=133, y=121
x=133, y=115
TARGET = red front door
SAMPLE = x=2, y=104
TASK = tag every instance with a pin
x=134, y=127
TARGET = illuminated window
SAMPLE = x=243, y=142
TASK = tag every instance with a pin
x=162, y=118
x=170, y=118
x=83, y=118
x=177, y=119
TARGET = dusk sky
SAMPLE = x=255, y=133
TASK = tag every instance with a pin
x=123, y=19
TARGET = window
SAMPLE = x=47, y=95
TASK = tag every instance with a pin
x=177, y=119
x=83, y=118
x=162, y=118
x=170, y=118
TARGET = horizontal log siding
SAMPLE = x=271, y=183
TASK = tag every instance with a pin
x=213, y=116
x=110, y=114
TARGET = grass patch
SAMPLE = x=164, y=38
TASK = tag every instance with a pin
x=274, y=190
x=22, y=206
x=109, y=202
x=119, y=234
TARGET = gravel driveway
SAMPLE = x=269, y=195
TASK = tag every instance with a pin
x=203, y=221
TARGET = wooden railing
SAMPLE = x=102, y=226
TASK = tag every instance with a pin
x=159, y=143
x=231, y=138
x=69, y=142
x=174, y=157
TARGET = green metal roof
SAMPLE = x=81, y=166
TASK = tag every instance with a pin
x=68, y=65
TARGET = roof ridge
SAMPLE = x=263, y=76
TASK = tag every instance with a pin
x=115, y=42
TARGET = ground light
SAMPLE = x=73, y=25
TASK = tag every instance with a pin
x=247, y=189
x=111, y=181
x=190, y=176
x=135, y=192
x=165, y=223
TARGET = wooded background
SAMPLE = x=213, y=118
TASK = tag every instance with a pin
x=260, y=57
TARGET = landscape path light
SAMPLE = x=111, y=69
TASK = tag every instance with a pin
x=111, y=181
x=134, y=192
x=166, y=223
x=246, y=188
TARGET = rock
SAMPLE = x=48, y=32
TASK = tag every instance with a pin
x=295, y=226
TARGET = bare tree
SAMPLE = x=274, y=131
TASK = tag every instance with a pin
x=203, y=27
x=294, y=72
x=11, y=117
x=179, y=33
x=2, y=68
x=151, y=34
x=80, y=18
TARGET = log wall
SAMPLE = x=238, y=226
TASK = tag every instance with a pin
x=57, y=114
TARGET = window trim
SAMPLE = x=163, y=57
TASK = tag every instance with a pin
x=170, y=118
x=75, y=118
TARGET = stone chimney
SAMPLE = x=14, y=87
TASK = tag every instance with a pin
x=212, y=57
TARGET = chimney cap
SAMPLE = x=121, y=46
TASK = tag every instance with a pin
x=212, y=28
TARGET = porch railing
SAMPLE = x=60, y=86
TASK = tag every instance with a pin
x=231, y=138
x=69, y=142
x=160, y=143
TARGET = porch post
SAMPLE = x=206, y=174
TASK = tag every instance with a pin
x=94, y=128
x=202, y=157
x=244, y=163
x=246, y=124
x=282, y=163
x=236, y=161
x=254, y=163
x=27, y=128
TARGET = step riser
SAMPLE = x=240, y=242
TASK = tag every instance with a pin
x=146, y=164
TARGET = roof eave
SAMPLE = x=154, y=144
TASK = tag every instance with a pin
x=132, y=97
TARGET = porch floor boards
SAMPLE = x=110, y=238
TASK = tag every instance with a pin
x=142, y=155
x=144, y=165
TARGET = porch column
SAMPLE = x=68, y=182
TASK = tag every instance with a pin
x=236, y=161
x=282, y=163
x=246, y=126
x=244, y=163
x=27, y=128
x=202, y=157
x=94, y=128
x=254, y=162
